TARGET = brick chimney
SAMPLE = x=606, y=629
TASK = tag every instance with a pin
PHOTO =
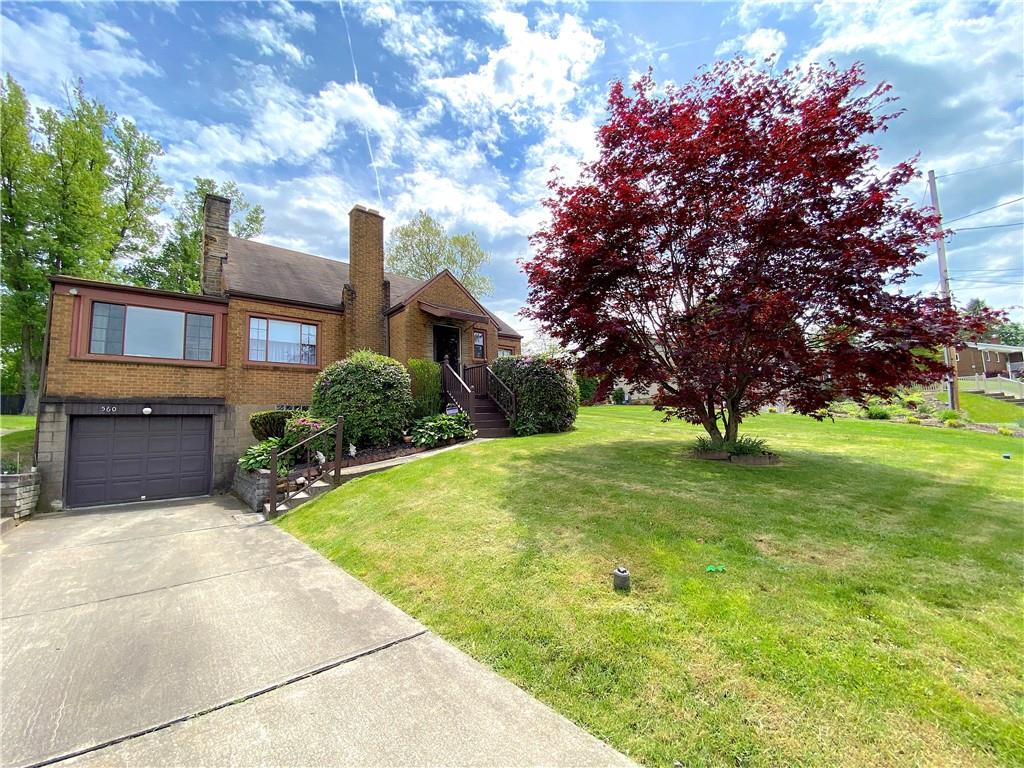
x=216, y=215
x=366, y=294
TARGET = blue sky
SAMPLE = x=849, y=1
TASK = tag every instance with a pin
x=464, y=108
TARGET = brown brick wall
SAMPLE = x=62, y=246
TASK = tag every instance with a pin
x=366, y=300
x=68, y=377
x=412, y=333
x=261, y=383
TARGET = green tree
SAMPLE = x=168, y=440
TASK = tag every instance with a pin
x=176, y=266
x=136, y=191
x=78, y=190
x=24, y=282
x=422, y=247
x=1010, y=333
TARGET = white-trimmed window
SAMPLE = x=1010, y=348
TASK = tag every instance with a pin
x=282, y=341
x=478, y=345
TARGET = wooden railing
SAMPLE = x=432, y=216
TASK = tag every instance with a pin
x=276, y=456
x=502, y=395
x=455, y=388
x=475, y=377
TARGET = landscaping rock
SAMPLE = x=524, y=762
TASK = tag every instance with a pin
x=756, y=461
x=711, y=455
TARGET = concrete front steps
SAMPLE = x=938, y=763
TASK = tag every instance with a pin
x=308, y=493
x=488, y=419
x=1001, y=396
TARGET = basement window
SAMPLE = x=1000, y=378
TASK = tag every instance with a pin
x=121, y=329
x=282, y=341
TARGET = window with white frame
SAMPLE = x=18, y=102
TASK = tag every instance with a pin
x=478, y=345
x=282, y=341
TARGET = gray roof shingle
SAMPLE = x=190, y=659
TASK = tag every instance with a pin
x=267, y=271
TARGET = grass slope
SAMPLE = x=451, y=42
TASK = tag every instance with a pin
x=12, y=421
x=986, y=410
x=870, y=612
x=15, y=445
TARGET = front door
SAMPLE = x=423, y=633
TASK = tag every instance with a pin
x=446, y=342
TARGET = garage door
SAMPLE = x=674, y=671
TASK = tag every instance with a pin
x=131, y=458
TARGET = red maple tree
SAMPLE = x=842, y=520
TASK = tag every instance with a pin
x=736, y=242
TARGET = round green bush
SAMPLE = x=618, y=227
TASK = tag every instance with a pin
x=371, y=391
x=266, y=424
x=547, y=398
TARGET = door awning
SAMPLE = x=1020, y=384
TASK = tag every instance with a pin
x=438, y=310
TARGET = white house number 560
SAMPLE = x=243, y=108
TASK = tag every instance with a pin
x=108, y=409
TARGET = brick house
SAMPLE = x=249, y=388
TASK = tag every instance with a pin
x=146, y=394
x=989, y=359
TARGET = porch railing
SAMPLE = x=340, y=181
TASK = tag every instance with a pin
x=502, y=395
x=275, y=462
x=475, y=377
x=455, y=388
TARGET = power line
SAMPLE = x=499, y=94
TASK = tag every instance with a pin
x=980, y=168
x=989, y=226
x=983, y=210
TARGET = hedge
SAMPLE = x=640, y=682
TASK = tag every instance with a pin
x=374, y=394
x=547, y=398
x=426, y=387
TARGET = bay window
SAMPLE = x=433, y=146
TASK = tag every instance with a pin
x=122, y=329
x=282, y=341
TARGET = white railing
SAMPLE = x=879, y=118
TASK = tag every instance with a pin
x=994, y=385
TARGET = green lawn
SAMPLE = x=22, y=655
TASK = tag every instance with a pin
x=8, y=421
x=870, y=612
x=15, y=446
x=986, y=410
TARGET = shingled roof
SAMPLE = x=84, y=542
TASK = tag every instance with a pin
x=269, y=272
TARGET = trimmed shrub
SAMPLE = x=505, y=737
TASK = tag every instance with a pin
x=547, y=398
x=619, y=396
x=426, y=387
x=875, y=411
x=953, y=423
x=587, y=386
x=266, y=424
x=913, y=420
x=435, y=430
x=372, y=392
x=1005, y=431
x=302, y=426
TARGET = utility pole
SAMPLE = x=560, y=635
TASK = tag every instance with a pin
x=940, y=246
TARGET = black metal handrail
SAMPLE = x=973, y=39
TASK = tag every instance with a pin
x=458, y=391
x=275, y=456
x=502, y=395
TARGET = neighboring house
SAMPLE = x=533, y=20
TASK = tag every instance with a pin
x=990, y=359
x=146, y=394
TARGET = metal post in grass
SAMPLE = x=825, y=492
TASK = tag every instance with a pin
x=339, y=431
x=272, y=490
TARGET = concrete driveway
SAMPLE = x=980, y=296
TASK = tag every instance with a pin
x=192, y=633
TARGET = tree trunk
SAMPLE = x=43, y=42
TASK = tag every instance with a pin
x=732, y=423
x=30, y=367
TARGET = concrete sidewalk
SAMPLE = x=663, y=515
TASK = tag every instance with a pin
x=191, y=633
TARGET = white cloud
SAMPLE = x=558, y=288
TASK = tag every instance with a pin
x=48, y=49
x=272, y=34
x=536, y=73
x=759, y=44
x=413, y=32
